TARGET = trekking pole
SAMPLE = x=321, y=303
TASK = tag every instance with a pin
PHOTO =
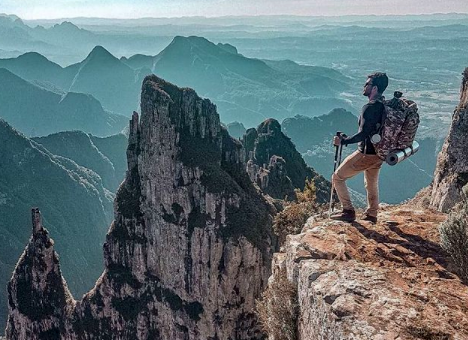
x=339, y=163
x=339, y=157
x=338, y=149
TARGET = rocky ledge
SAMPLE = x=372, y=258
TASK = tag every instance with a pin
x=365, y=281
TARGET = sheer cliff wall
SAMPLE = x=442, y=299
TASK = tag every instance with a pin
x=450, y=184
x=188, y=252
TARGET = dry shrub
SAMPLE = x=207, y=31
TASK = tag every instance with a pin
x=295, y=214
x=309, y=194
x=292, y=219
x=454, y=239
x=278, y=312
x=278, y=309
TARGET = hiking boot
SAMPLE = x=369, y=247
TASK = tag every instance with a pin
x=367, y=217
x=345, y=215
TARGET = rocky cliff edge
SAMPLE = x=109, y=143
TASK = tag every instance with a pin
x=374, y=282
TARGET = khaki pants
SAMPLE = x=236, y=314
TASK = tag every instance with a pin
x=353, y=164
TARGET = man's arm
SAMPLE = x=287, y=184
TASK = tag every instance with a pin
x=368, y=125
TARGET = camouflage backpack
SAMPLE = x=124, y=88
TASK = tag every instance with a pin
x=399, y=124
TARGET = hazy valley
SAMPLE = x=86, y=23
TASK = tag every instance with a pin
x=282, y=86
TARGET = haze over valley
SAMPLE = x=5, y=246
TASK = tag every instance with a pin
x=68, y=88
x=425, y=66
x=251, y=68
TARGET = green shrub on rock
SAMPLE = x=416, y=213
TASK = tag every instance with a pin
x=454, y=239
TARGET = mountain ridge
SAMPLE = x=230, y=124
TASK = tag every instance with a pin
x=42, y=111
x=79, y=147
x=245, y=89
x=72, y=198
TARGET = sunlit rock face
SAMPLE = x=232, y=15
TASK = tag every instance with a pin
x=389, y=280
x=450, y=183
x=191, y=244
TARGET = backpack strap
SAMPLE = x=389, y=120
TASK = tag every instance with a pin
x=384, y=117
x=379, y=126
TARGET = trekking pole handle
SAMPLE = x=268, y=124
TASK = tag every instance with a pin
x=339, y=135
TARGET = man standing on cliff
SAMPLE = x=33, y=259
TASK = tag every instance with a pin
x=364, y=159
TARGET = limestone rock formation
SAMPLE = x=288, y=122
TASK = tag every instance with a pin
x=273, y=162
x=39, y=298
x=274, y=179
x=450, y=184
x=374, y=282
x=191, y=244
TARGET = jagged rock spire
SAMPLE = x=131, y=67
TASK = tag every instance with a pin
x=451, y=175
x=36, y=220
x=276, y=166
x=38, y=296
x=191, y=244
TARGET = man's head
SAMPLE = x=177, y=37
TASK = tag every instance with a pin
x=376, y=84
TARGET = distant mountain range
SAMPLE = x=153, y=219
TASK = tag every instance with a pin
x=101, y=75
x=244, y=89
x=66, y=43
x=77, y=207
x=341, y=43
x=59, y=39
x=37, y=111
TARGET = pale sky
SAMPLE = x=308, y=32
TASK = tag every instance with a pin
x=48, y=9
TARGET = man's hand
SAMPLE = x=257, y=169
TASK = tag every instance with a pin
x=336, y=141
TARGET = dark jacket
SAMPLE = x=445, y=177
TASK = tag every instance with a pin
x=369, y=122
